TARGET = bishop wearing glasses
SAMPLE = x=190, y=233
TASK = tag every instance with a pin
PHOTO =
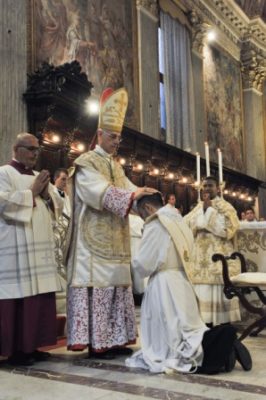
x=28, y=276
x=101, y=312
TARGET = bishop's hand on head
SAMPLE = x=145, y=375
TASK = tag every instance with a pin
x=144, y=191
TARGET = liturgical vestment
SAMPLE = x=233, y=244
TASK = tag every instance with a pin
x=102, y=316
x=171, y=327
x=28, y=276
x=213, y=231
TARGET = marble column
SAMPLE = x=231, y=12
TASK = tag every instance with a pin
x=253, y=76
x=13, y=73
x=147, y=19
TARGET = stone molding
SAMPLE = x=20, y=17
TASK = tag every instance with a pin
x=231, y=21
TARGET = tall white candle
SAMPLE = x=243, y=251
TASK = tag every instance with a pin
x=198, y=167
x=220, y=165
x=207, y=156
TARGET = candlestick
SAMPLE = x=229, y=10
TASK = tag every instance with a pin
x=207, y=156
x=198, y=167
x=220, y=165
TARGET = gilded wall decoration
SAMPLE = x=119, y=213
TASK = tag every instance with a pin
x=223, y=99
x=98, y=34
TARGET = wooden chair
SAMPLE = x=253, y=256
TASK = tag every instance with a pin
x=241, y=285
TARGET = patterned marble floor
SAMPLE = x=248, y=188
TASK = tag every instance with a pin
x=72, y=376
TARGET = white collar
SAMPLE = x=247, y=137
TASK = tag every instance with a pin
x=98, y=149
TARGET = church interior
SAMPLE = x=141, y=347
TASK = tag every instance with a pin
x=195, y=74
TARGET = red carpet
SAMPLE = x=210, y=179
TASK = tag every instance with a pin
x=60, y=343
x=61, y=338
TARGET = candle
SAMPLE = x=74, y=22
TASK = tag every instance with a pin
x=220, y=165
x=207, y=156
x=198, y=167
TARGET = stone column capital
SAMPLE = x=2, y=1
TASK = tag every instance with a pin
x=253, y=67
x=199, y=30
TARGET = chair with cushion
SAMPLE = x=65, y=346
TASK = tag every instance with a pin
x=241, y=286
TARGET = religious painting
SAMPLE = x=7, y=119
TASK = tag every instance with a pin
x=222, y=85
x=97, y=33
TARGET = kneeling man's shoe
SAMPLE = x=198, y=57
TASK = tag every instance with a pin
x=242, y=355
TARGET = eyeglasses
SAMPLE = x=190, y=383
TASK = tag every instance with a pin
x=30, y=148
x=114, y=136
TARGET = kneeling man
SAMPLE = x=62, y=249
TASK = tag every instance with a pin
x=173, y=334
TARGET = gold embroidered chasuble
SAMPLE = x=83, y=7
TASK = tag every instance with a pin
x=214, y=232
x=103, y=234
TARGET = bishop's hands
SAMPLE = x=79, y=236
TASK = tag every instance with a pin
x=144, y=191
x=206, y=201
x=40, y=185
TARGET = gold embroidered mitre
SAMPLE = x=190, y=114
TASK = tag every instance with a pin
x=113, y=107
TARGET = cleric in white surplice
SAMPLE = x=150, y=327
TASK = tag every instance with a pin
x=28, y=278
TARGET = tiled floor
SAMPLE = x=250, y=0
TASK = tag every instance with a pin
x=72, y=376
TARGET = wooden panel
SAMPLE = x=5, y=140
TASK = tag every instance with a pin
x=166, y=186
x=151, y=181
x=49, y=159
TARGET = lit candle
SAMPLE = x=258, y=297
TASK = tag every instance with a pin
x=220, y=165
x=198, y=167
x=207, y=156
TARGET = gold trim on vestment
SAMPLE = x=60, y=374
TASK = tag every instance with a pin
x=204, y=270
x=106, y=234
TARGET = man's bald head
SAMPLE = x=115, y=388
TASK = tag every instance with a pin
x=26, y=149
x=23, y=138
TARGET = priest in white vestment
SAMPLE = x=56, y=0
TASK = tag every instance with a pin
x=101, y=311
x=28, y=278
x=170, y=201
x=171, y=327
x=173, y=335
x=214, y=223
